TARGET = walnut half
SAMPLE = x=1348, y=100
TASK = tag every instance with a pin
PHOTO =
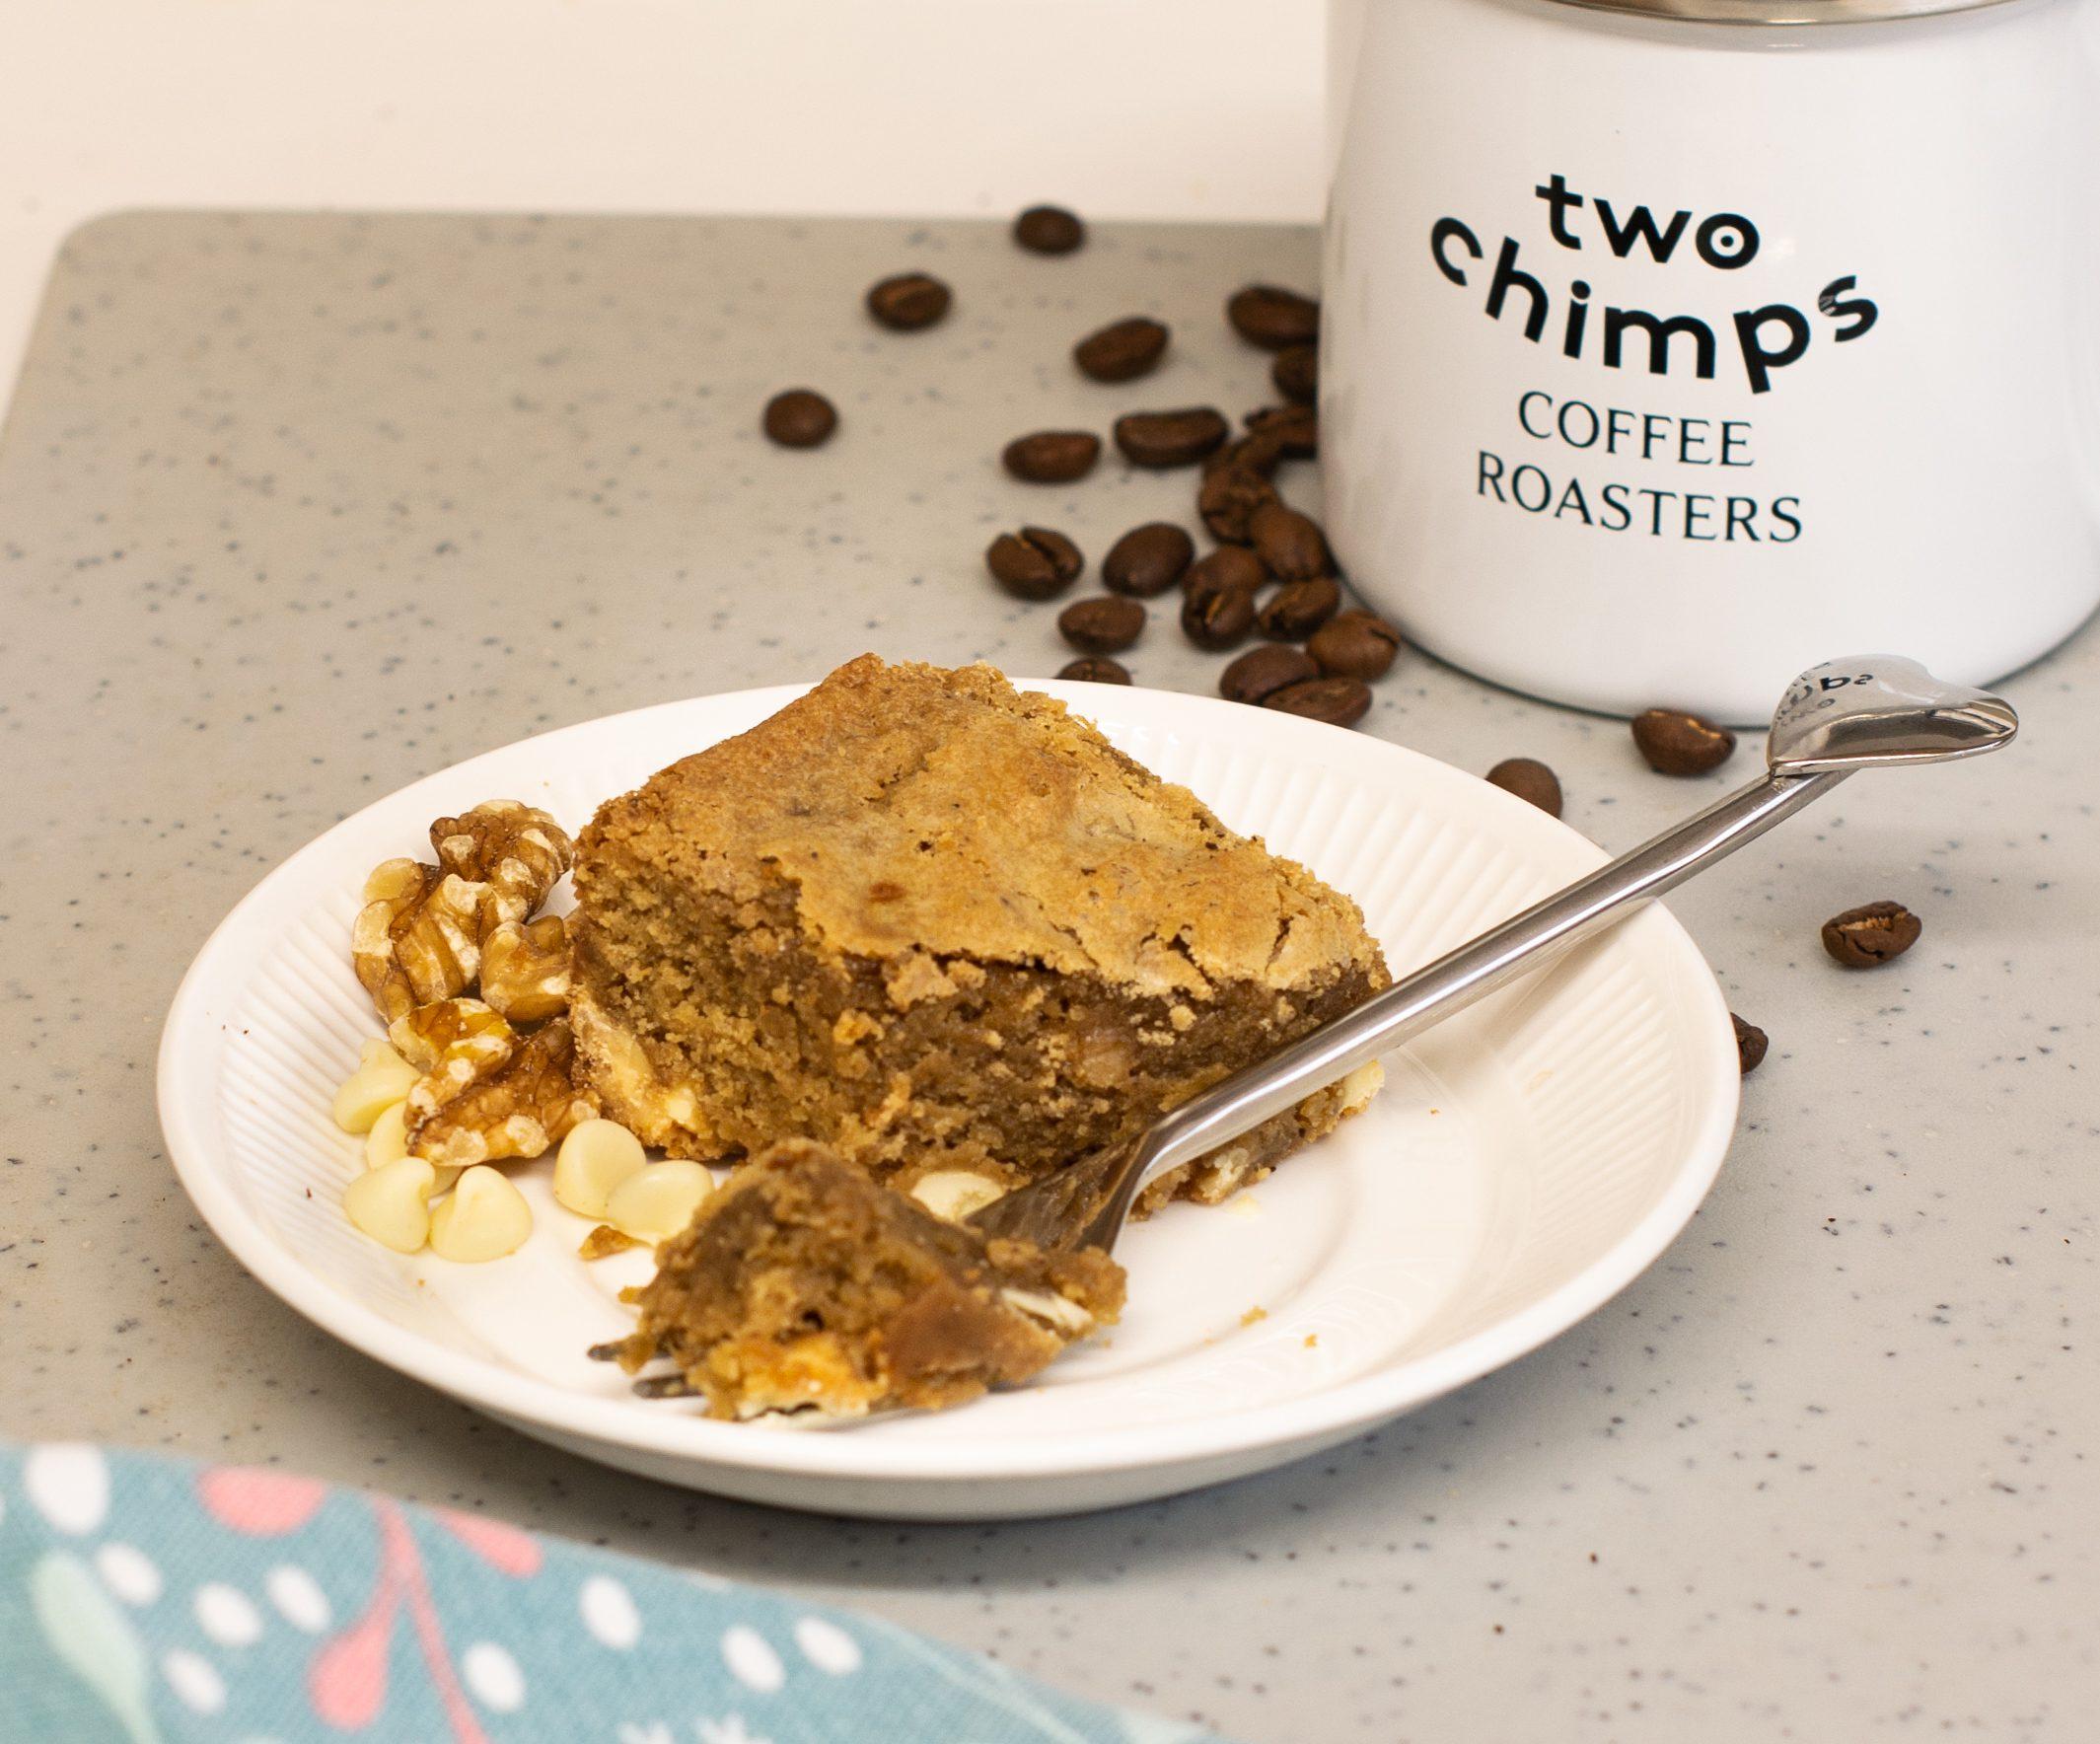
x=516, y=852
x=417, y=938
x=516, y=1107
x=525, y=968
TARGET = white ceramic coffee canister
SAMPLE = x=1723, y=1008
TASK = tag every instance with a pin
x=1670, y=346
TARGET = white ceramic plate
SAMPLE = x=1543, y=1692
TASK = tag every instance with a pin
x=1525, y=1161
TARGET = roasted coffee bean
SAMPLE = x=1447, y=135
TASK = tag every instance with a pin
x=1262, y=672
x=1294, y=429
x=1290, y=543
x=800, y=418
x=1229, y=567
x=1052, y=456
x=1862, y=937
x=1095, y=669
x=1034, y=563
x=1341, y=702
x=1272, y=318
x=1355, y=645
x=908, y=302
x=1528, y=778
x=1106, y=624
x=1750, y=1045
x=1228, y=499
x=1296, y=374
x=1679, y=744
x=1298, y=608
x=1048, y=230
x=1147, y=561
x=1263, y=454
x=1122, y=351
x=1171, y=438
x=1217, y=618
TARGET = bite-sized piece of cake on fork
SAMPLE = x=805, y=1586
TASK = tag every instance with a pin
x=938, y=923
x=804, y=1286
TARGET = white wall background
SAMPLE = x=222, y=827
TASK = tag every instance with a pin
x=1119, y=107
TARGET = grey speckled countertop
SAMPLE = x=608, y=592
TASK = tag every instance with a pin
x=293, y=509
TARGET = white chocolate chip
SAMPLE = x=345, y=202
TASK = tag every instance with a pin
x=594, y=1159
x=484, y=1217
x=657, y=1202
x=1357, y=1089
x=954, y=1193
x=391, y=1203
x=383, y=1078
x=1058, y=1313
x=388, y=1142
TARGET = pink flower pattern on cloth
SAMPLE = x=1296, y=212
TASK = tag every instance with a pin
x=145, y=1599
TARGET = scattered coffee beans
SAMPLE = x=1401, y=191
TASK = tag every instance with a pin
x=1355, y=645
x=1290, y=543
x=1528, y=778
x=1675, y=743
x=1862, y=937
x=908, y=302
x=1260, y=672
x=1107, y=625
x=1171, y=438
x=1750, y=1045
x=800, y=418
x=1228, y=499
x=1298, y=608
x=1217, y=616
x=1293, y=429
x=1272, y=318
x=1095, y=669
x=1147, y=561
x=1122, y=351
x=1052, y=456
x=1339, y=702
x=1034, y=563
x=1228, y=568
x=1048, y=230
x=1296, y=374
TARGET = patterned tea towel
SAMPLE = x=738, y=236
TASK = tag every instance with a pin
x=146, y=1600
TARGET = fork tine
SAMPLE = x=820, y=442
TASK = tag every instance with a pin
x=670, y=1385
x=608, y=1352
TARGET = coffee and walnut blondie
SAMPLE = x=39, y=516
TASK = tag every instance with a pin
x=804, y=1285
x=938, y=923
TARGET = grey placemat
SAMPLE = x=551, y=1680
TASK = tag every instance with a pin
x=295, y=508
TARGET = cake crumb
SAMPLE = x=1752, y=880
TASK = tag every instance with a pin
x=1244, y=1205
x=1257, y=1312
x=1312, y=1340
x=604, y=1239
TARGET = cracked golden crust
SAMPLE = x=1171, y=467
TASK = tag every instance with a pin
x=927, y=815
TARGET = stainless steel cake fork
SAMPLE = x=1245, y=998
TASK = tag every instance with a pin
x=1871, y=711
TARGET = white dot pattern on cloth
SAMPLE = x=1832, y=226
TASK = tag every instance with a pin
x=752, y=1660
x=129, y=1572
x=196, y=1685
x=227, y=1616
x=68, y=1484
x=827, y=1647
x=298, y=1597
x=494, y=1676
x=609, y=1613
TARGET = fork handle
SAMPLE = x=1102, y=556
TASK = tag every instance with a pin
x=1457, y=978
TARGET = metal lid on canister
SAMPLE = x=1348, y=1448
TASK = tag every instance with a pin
x=1782, y=12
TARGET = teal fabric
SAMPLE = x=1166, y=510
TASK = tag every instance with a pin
x=146, y=1600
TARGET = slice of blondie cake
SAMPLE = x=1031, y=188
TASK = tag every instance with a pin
x=941, y=925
